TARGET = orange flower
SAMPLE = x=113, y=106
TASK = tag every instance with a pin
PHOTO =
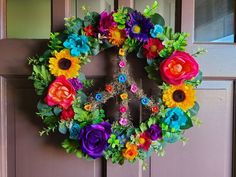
x=130, y=152
x=121, y=52
x=109, y=88
x=116, y=36
x=88, y=107
x=61, y=93
x=124, y=96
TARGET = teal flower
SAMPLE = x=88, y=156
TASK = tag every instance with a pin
x=145, y=101
x=98, y=97
x=74, y=131
x=158, y=29
x=175, y=118
x=77, y=44
x=122, y=78
x=171, y=137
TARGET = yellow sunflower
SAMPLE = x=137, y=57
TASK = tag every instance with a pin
x=64, y=64
x=116, y=36
x=182, y=96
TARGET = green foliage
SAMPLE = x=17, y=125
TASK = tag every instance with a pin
x=172, y=41
x=157, y=19
x=71, y=146
x=113, y=141
x=130, y=44
x=92, y=18
x=196, y=121
x=188, y=125
x=55, y=43
x=73, y=25
x=195, y=81
x=149, y=11
x=121, y=17
x=153, y=73
x=200, y=51
x=41, y=78
x=194, y=110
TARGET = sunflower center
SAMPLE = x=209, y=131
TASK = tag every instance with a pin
x=179, y=96
x=64, y=63
x=136, y=29
x=153, y=48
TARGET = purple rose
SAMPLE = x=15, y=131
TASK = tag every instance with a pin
x=76, y=83
x=93, y=139
x=154, y=132
x=106, y=22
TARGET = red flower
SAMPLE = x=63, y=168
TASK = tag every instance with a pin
x=180, y=66
x=89, y=30
x=152, y=48
x=144, y=141
x=155, y=109
x=61, y=93
x=109, y=88
x=67, y=114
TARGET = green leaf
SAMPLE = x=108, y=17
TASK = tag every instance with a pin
x=79, y=154
x=188, y=125
x=148, y=11
x=57, y=110
x=194, y=110
x=157, y=19
x=143, y=127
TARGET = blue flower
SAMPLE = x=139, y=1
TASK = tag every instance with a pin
x=145, y=101
x=77, y=44
x=122, y=139
x=122, y=78
x=175, y=118
x=156, y=30
x=74, y=131
x=98, y=96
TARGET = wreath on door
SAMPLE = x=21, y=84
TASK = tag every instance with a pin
x=67, y=108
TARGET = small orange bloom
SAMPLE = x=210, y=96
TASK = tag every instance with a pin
x=124, y=96
x=130, y=152
x=88, y=107
x=109, y=88
x=121, y=52
x=155, y=109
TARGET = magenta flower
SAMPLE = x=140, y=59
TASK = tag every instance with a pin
x=106, y=22
x=122, y=64
x=123, y=121
x=133, y=88
x=123, y=109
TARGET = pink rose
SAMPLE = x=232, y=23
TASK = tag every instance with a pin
x=61, y=93
x=180, y=66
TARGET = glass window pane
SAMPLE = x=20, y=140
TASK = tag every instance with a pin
x=28, y=18
x=214, y=21
x=97, y=6
x=166, y=9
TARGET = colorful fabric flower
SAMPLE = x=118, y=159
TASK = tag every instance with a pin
x=76, y=83
x=175, y=118
x=158, y=29
x=134, y=88
x=60, y=92
x=179, y=67
x=116, y=36
x=123, y=121
x=145, y=101
x=130, y=152
x=106, y=22
x=138, y=26
x=154, y=132
x=121, y=52
x=154, y=109
x=99, y=97
x=122, y=64
x=152, y=48
x=77, y=44
x=88, y=107
x=64, y=64
x=123, y=109
x=182, y=96
x=93, y=139
x=109, y=88
x=124, y=96
x=74, y=131
x=144, y=141
x=67, y=114
x=90, y=30
x=122, y=78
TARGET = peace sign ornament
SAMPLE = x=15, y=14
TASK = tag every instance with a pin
x=66, y=107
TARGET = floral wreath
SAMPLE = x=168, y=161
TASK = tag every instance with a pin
x=66, y=107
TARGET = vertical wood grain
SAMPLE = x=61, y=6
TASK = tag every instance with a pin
x=126, y=3
x=3, y=129
x=2, y=19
